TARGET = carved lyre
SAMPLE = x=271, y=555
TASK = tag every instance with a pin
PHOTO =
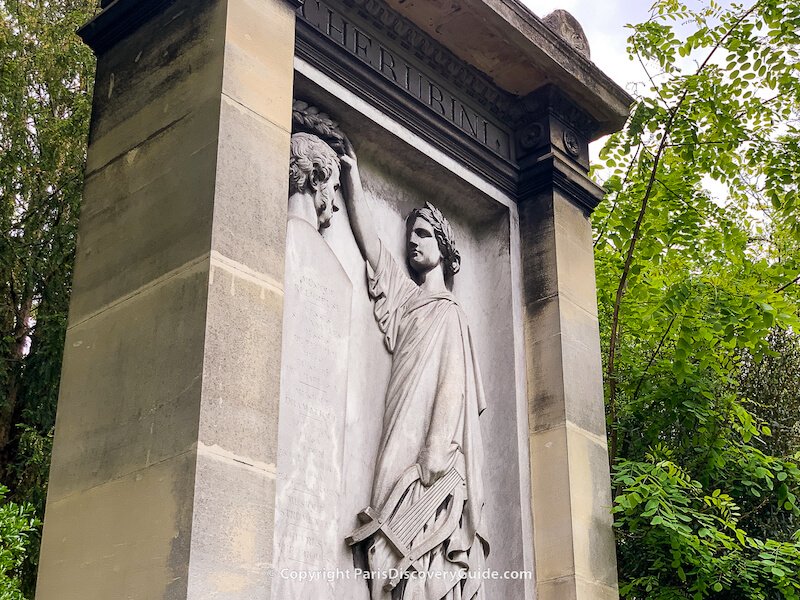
x=403, y=527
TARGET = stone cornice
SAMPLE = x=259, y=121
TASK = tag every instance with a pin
x=392, y=100
x=549, y=129
x=120, y=18
x=551, y=100
x=466, y=77
x=520, y=53
x=554, y=172
x=342, y=36
x=520, y=144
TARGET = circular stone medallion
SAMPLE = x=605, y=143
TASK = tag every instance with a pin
x=571, y=143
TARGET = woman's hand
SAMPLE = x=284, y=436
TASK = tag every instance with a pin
x=433, y=465
x=351, y=179
x=348, y=160
x=349, y=170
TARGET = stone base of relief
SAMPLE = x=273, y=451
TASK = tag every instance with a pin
x=312, y=416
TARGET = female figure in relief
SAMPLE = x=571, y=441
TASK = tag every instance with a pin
x=433, y=401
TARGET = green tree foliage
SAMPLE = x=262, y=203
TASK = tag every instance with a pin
x=698, y=264
x=772, y=386
x=45, y=78
x=17, y=524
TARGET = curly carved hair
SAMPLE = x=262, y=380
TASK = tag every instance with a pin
x=451, y=259
x=309, y=155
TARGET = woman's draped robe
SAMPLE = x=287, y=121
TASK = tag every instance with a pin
x=433, y=365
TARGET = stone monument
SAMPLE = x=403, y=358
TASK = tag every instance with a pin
x=333, y=332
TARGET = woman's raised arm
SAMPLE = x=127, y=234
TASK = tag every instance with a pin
x=357, y=210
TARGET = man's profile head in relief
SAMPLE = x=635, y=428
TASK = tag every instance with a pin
x=430, y=242
x=313, y=179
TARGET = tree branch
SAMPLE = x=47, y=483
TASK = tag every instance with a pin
x=620, y=294
x=604, y=227
x=653, y=358
x=783, y=288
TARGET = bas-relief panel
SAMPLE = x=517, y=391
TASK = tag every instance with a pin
x=353, y=420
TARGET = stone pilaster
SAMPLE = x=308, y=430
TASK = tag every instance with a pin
x=574, y=542
x=163, y=472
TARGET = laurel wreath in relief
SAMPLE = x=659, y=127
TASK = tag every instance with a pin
x=309, y=119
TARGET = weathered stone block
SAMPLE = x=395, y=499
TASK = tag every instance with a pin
x=130, y=389
x=575, y=256
x=126, y=538
x=156, y=76
x=552, y=504
x=571, y=588
x=231, y=552
x=546, y=401
x=572, y=508
x=594, y=549
x=241, y=372
x=146, y=214
x=259, y=52
x=251, y=190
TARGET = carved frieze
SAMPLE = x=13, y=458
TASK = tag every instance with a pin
x=404, y=55
x=440, y=97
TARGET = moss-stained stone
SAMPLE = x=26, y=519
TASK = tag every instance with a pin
x=156, y=76
x=145, y=215
x=131, y=383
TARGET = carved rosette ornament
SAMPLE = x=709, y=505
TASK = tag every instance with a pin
x=571, y=143
x=531, y=136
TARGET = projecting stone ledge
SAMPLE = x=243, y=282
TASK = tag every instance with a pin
x=501, y=38
x=120, y=18
x=521, y=53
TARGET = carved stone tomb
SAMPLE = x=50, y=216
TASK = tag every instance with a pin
x=333, y=333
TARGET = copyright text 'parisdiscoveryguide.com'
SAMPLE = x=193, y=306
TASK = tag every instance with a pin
x=331, y=575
